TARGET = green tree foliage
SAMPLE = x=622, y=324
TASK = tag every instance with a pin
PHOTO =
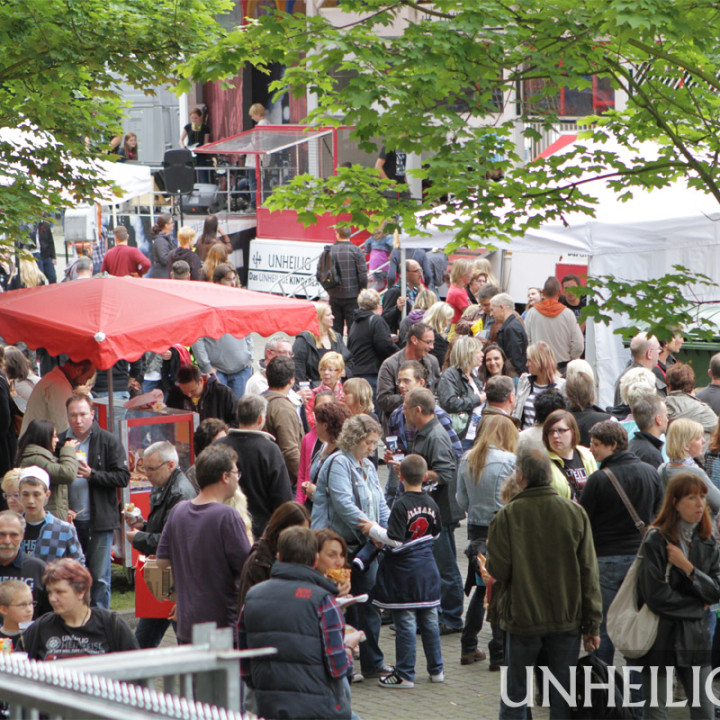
x=433, y=78
x=60, y=65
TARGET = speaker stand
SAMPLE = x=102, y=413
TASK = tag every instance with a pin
x=180, y=204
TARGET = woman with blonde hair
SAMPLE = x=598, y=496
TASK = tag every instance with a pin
x=185, y=252
x=309, y=348
x=358, y=396
x=482, y=265
x=28, y=275
x=685, y=442
x=481, y=476
x=216, y=255
x=460, y=391
x=423, y=302
x=438, y=317
x=542, y=375
x=457, y=296
x=331, y=367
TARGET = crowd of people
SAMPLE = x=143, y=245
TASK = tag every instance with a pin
x=292, y=526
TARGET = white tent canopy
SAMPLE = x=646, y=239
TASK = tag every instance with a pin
x=635, y=240
x=132, y=180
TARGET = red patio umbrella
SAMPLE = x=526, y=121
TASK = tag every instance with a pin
x=109, y=319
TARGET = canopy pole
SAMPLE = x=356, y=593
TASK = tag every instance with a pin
x=111, y=408
x=403, y=279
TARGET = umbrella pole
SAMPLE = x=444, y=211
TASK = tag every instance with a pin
x=111, y=413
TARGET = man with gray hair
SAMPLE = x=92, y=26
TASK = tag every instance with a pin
x=645, y=352
x=511, y=336
x=264, y=476
x=170, y=486
x=275, y=346
x=547, y=610
x=432, y=443
x=650, y=413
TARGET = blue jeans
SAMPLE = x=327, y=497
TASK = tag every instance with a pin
x=47, y=266
x=236, y=381
x=150, y=385
x=521, y=654
x=613, y=569
x=451, y=584
x=391, y=487
x=366, y=617
x=97, y=547
x=406, y=640
x=150, y=632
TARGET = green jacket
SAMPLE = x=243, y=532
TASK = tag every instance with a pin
x=62, y=472
x=541, y=555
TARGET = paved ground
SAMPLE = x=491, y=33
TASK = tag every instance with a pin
x=469, y=691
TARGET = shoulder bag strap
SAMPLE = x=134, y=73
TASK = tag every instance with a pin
x=639, y=524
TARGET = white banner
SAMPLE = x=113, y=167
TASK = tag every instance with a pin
x=281, y=266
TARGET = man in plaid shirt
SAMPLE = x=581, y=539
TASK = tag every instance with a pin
x=350, y=262
x=296, y=612
x=46, y=537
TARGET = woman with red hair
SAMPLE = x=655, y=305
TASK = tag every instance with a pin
x=74, y=628
x=678, y=578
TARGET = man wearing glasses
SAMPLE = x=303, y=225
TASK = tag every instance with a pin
x=395, y=298
x=170, y=486
x=206, y=544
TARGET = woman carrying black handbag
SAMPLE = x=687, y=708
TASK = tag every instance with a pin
x=682, y=539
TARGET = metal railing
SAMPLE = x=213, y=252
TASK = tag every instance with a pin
x=117, y=686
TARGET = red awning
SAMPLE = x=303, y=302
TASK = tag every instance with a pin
x=109, y=319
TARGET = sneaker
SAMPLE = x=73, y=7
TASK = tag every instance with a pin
x=440, y=677
x=472, y=657
x=357, y=677
x=393, y=680
x=379, y=672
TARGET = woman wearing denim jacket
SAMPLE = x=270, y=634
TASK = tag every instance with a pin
x=348, y=492
x=482, y=473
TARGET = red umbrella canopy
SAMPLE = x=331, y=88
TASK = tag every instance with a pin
x=109, y=319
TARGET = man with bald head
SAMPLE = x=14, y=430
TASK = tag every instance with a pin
x=395, y=299
x=645, y=351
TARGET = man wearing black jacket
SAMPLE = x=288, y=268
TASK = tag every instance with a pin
x=432, y=443
x=511, y=336
x=264, y=476
x=204, y=394
x=615, y=535
x=650, y=414
x=170, y=486
x=102, y=469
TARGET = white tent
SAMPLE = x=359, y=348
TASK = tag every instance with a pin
x=131, y=179
x=634, y=240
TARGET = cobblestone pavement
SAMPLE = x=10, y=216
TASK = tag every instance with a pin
x=469, y=691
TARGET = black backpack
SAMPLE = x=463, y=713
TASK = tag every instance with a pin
x=328, y=273
x=600, y=708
